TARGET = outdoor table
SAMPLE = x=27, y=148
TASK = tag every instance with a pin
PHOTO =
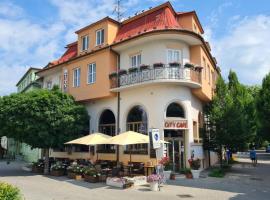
x=147, y=169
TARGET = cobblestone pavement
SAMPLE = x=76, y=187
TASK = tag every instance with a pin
x=243, y=182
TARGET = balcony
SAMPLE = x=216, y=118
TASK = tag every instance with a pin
x=166, y=74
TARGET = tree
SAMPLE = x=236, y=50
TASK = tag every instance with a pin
x=263, y=106
x=43, y=119
x=230, y=117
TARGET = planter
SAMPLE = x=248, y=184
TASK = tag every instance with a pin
x=122, y=72
x=133, y=69
x=167, y=174
x=57, y=173
x=71, y=175
x=174, y=64
x=154, y=186
x=37, y=170
x=113, y=75
x=91, y=179
x=144, y=67
x=195, y=173
x=102, y=178
x=189, y=65
x=158, y=65
x=188, y=176
x=172, y=177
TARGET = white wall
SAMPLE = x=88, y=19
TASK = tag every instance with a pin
x=153, y=52
x=55, y=78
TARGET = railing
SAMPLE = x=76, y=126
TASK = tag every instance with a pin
x=154, y=74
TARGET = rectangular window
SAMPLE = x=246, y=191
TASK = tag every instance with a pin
x=49, y=85
x=209, y=74
x=85, y=43
x=77, y=77
x=99, y=37
x=204, y=68
x=135, y=60
x=173, y=56
x=91, y=73
x=65, y=81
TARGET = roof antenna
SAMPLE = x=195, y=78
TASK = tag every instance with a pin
x=118, y=10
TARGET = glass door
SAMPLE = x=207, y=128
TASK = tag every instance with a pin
x=176, y=154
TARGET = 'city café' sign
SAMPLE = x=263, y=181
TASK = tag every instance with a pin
x=175, y=124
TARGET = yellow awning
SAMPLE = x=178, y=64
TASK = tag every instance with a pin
x=92, y=139
x=129, y=137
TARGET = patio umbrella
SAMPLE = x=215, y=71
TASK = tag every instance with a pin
x=92, y=139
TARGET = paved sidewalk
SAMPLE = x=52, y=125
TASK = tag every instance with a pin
x=244, y=182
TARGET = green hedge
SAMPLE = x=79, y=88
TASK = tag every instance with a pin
x=9, y=192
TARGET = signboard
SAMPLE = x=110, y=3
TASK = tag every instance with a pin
x=4, y=142
x=176, y=124
x=155, y=138
x=197, y=150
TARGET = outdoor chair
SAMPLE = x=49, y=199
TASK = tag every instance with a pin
x=137, y=168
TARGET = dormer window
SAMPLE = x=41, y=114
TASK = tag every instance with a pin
x=85, y=42
x=99, y=37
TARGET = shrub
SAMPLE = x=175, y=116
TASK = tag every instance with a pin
x=217, y=172
x=166, y=163
x=153, y=178
x=194, y=164
x=90, y=171
x=58, y=167
x=9, y=192
x=185, y=171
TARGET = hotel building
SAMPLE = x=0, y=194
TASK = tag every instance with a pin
x=152, y=70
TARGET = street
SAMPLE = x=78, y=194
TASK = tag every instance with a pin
x=243, y=182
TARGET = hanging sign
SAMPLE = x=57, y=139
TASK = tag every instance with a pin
x=155, y=138
x=175, y=124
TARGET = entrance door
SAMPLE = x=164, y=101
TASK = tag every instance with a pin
x=175, y=148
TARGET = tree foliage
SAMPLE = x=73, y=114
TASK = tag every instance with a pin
x=42, y=118
x=263, y=107
x=231, y=120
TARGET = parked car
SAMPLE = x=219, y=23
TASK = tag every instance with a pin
x=267, y=150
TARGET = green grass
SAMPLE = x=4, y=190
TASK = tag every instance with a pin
x=217, y=172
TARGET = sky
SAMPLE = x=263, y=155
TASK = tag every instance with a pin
x=34, y=32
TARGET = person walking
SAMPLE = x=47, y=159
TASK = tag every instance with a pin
x=253, y=156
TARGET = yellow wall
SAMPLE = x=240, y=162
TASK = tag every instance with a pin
x=197, y=56
x=105, y=63
x=188, y=22
x=110, y=31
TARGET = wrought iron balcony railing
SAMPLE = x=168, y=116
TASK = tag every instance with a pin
x=178, y=74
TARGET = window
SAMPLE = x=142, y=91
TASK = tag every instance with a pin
x=173, y=56
x=204, y=68
x=85, y=42
x=91, y=73
x=135, y=60
x=76, y=77
x=175, y=110
x=65, y=85
x=49, y=85
x=100, y=37
x=209, y=74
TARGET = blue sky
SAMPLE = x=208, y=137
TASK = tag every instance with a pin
x=34, y=32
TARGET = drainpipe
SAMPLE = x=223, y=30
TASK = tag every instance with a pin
x=118, y=130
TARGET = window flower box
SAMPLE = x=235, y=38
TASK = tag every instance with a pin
x=113, y=75
x=133, y=69
x=174, y=64
x=144, y=67
x=158, y=65
x=122, y=72
x=189, y=65
x=198, y=68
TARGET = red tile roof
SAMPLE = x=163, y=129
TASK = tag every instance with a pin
x=71, y=52
x=163, y=18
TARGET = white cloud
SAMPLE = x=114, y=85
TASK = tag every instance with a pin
x=245, y=49
x=10, y=10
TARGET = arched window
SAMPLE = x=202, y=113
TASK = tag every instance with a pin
x=137, y=121
x=175, y=110
x=107, y=126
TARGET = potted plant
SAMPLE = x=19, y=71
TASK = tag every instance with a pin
x=198, y=68
x=75, y=171
x=187, y=173
x=173, y=176
x=122, y=72
x=144, y=67
x=167, y=167
x=133, y=69
x=174, y=64
x=153, y=180
x=113, y=75
x=57, y=169
x=189, y=65
x=91, y=175
x=195, y=165
x=158, y=65
x=38, y=167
